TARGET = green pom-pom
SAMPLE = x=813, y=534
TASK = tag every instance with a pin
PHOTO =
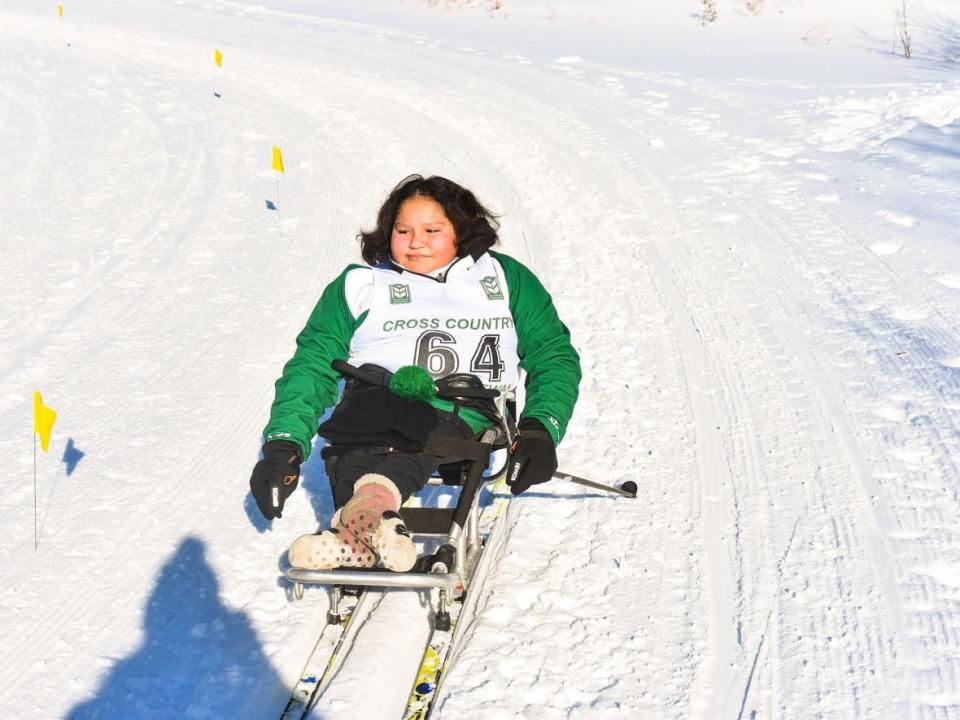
x=413, y=383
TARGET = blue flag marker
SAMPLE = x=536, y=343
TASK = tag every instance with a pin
x=270, y=205
x=72, y=456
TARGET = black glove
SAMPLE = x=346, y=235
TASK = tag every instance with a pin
x=276, y=476
x=533, y=457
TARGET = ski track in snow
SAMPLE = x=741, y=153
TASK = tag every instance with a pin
x=777, y=371
x=787, y=480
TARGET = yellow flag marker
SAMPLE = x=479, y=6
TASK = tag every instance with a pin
x=217, y=57
x=43, y=419
x=60, y=10
x=277, y=160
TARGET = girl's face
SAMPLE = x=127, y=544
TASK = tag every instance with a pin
x=423, y=239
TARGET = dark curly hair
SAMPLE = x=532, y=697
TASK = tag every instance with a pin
x=475, y=226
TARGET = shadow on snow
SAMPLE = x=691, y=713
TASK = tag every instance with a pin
x=72, y=455
x=199, y=659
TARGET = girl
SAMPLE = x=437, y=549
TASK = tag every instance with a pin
x=432, y=294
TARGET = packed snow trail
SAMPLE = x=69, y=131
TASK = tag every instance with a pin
x=768, y=332
x=791, y=517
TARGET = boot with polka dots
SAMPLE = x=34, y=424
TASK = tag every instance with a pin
x=332, y=548
x=366, y=530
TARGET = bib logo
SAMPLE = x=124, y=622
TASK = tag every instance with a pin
x=399, y=294
x=491, y=286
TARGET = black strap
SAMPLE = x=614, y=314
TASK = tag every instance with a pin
x=454, y=419
x=427, y=520
x=330, y=451
x=383, y=379
x=452, y=449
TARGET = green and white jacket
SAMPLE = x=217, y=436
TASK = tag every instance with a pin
x=489, y=316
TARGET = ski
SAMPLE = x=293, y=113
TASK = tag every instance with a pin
x=333, y=643
x=444, y=643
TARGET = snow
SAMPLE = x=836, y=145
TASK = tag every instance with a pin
x=750, y=227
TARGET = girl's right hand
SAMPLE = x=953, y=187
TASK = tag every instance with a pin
x=275, y=477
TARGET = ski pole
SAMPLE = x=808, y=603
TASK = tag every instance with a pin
x=627, y=489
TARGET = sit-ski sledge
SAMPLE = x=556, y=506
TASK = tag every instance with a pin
x=464, y=533
x=446, y=572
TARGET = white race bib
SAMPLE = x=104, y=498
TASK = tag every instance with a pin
x=461, y=325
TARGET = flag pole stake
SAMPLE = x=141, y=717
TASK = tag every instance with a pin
x=35, y=541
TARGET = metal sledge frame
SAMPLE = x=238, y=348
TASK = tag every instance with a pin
x=452, y=565
x=462, y=538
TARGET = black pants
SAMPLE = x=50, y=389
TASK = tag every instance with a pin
x=408, y=471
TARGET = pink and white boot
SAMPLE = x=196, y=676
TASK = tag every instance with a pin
x=367, y=529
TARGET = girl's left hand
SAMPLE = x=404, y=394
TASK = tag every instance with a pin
x=533, y=456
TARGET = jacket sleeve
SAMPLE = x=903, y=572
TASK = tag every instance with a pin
x=546, y=353
x=308, y=385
